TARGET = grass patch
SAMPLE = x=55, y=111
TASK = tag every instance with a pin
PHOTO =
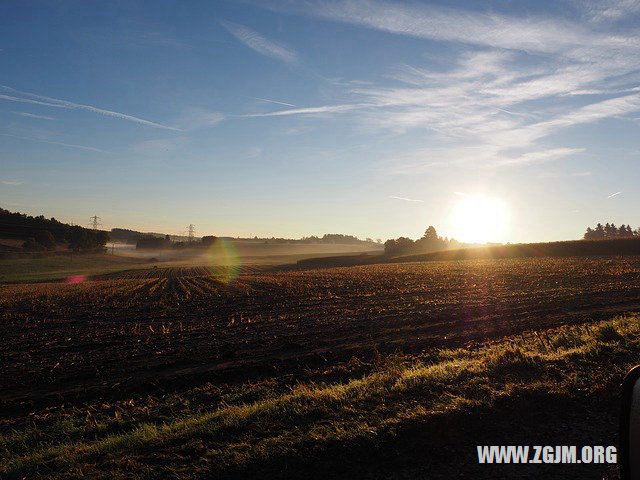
x=56, y=267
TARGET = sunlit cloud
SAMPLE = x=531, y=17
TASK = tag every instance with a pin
x=307, y=111
x=540, y=156
x=563, y=175
x=260, y=44
x=406, y=199
x=59, y=103
x=614, y=194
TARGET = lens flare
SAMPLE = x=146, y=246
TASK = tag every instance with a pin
x=75, y=279
x=224, y=260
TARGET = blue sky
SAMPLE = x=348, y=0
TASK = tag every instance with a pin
x=298, y=118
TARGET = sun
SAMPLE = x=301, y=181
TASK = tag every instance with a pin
x=480, y=219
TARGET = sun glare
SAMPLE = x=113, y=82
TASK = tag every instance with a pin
x=480, y=219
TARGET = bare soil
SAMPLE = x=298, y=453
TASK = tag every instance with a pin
x=162, y=328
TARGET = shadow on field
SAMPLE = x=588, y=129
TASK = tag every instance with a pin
x=444, y=446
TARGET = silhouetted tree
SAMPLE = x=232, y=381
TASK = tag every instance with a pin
x=610, y=231
x=430, y=233
x=102, y=238
x=429, y=242
x=589, y=234
x=78, y=238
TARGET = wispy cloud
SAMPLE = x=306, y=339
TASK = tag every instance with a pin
x=11, y=183
x=608, y=10
x=614, y=194
x=563, y=175
x=62, y=144
x=539, y=156
x=33, y=115
x=454, y=25
x=196, y=118
x=406, y=199
x=514, y=81
x=260, y=44
x=308, y=111
x=59, y=103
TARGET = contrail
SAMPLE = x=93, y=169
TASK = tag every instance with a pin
x=70, y=145
x=275, y=101
x=614, y=194
x=55, y=102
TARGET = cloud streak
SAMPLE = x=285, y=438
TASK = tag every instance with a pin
x=260, y=44
x=406, y=199
x=514, y=81
x=59, y=103
x=33, y=115
x=62, y=144
x=431, y=22
x=275, y=101
x=308, y=111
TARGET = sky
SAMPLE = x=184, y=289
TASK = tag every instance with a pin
x=301, y=118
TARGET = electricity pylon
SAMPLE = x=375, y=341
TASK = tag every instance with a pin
x=95, y=222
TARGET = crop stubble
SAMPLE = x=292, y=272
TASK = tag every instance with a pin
x=156, y=328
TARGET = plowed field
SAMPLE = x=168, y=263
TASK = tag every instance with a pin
x=161, y=328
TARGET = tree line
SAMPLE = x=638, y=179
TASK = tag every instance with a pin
x=609, y=230
x=429, y=242
x=41, y=234
x=162, y=243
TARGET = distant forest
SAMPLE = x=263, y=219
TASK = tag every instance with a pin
x=609, y=230
x=153, y=242
x=40, y=233
x=429, y=242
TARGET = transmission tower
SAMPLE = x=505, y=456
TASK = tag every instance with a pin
x=95, y=222
x=192, y=232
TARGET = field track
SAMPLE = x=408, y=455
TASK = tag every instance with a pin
x=164, y=327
